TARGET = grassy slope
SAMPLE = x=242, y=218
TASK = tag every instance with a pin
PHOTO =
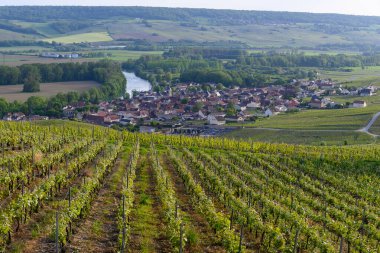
x=308, y=137
x=81, y=37
x=358, y=77
x=344, y=119
x=375, y=129
x=257, y=35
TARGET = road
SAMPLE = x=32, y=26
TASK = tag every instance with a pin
x=369, y=125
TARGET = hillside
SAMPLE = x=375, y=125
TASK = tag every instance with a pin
x=74, y=187
x=165, y=26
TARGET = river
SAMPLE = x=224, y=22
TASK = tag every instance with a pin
x=136, y=83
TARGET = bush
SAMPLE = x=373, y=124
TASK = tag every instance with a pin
x=31, y=85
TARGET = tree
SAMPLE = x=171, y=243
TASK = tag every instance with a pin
x=231, y=111
x=32, y=78
x=197, y=107
x=31, y=85
x=3, y=107
x=36, y=105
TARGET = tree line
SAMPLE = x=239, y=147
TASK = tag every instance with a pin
x=107, y=73
x=237, y=67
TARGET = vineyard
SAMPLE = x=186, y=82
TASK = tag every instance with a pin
x=72, y=187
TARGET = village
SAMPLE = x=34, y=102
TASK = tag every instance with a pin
x=196, y=109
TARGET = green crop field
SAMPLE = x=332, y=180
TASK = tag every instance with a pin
x=71, y=186
x=82, y=37
x=123, y=55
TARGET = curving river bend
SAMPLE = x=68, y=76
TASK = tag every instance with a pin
x=136, y=83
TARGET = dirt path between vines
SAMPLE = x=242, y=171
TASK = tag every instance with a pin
x=206, y=240
x=147, y=226
x=98, y=232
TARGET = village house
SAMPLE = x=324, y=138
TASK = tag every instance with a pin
x=234, y=119
x=359, y=104
x=111, y=119
x=215, y=120
x=269, y=113
x=317, y=104
x=16, y=116
x=366, y=92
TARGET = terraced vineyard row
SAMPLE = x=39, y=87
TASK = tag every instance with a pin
x=79, y=188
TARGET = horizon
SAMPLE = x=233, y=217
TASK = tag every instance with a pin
x=364, y=8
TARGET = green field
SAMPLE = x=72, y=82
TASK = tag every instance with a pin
x=82, y=37
x=342, y=119
x=306, y=137
x=14, y=92
x=358, y=77
x=123, y=55
x=375, y=129
x=24, y=58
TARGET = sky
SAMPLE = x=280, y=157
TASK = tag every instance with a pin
x=357, y=7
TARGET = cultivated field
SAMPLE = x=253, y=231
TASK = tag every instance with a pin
x=84, y=188
x=82, y=37
x=14, y=92
x=17, y=60
x=117, y=55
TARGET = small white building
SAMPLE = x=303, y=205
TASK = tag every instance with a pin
x=359, y=104
x=268, y=113
x=281, y=108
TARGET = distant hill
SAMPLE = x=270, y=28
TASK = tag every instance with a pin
x=45, y=13
x=253, y=29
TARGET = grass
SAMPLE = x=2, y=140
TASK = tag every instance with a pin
x=145, y=219
x=123, y=55
x=97, y=227
x=260, y=36
x=14, y=92
x=82, y=37
x=375, y=129
x=24, y=58
x=357, y=78
x=342, y=119
x=311, y=137
x=17, y=60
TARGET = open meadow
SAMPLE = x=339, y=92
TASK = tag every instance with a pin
x=81, y=37
x=305, y=137
x=337, y=119
x=358, y=77
x=14, y=92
